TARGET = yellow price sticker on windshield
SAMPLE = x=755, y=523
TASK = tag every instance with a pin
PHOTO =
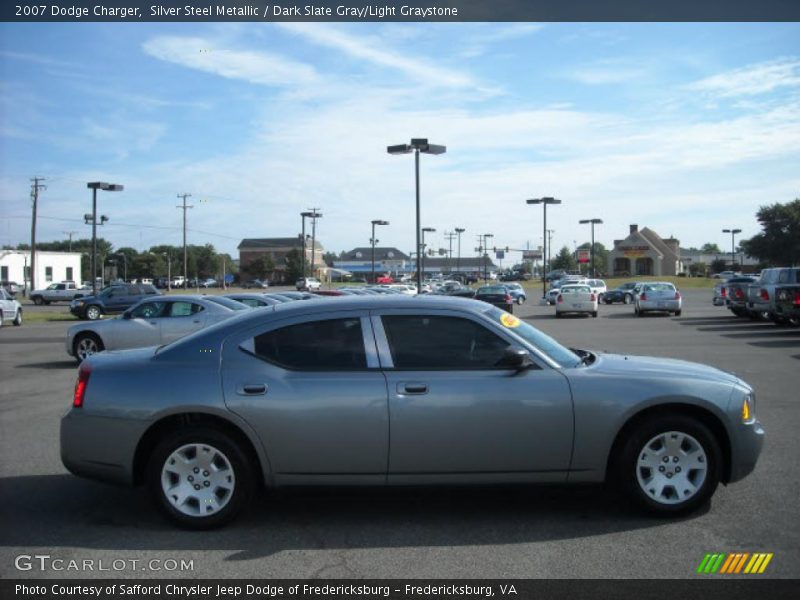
x=510, y=320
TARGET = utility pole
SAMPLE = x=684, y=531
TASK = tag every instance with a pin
x=459, y=231
x=35, y=187
x=450, y=236
x=314, y=216
x=184, y=206
x=70, y=234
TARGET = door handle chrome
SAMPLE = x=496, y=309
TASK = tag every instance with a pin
x=252, y=389
x=413, y=388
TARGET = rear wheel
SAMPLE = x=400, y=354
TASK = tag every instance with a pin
x=669, y=465
x=678, y=313
x=594, y=314
x=38, y=300
x=18, y=318
x=520, y=299
x=85, y=345
x=200, y=478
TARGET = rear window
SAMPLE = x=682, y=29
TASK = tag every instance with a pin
x=227, y=302
x=659, y=287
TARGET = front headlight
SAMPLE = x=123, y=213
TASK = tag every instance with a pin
x=748, y=409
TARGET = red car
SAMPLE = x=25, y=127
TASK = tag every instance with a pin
x=384, y=279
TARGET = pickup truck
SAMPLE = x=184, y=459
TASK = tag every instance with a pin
x=66, y=291
x=734, y=291
x=761, y=294
x=787, y=304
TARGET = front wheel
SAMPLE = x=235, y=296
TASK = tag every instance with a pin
x=93, y=313
x=85, y=345
x=200, y=478
x=669, y=465
x=520, y=299
x=18, y=318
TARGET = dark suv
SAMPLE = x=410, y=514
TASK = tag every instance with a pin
x=113, y=299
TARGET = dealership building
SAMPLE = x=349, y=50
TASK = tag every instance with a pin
x=276, y=249
x=15, y=265
x=643, y=253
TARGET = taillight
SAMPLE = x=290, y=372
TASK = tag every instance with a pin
x=723, y=292
x=677, y=295
x=739, y=293
x=509, y=300
x=80, y=385
x=764, y=294
x=560, y=298
x=591, y=297
x=796, y=299
x=643, y=296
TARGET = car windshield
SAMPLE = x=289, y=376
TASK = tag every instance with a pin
x=564, y=357
x=227, y=302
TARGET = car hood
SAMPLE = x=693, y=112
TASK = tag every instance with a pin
x=649, y=367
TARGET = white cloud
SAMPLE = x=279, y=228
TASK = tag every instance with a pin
x=752, y=80
x=206, y=55
x=372, y=50
x=607, y=72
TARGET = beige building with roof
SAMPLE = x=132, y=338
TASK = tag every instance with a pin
x=644, y=252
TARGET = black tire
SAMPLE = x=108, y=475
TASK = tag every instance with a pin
x=241, y=465
x=86, y=339
x=93, y=312
x=18, y=318
x=594, y=314
x=38, y=300
x=637, y=312
x=677, y=313
x=626, y=472
x=520, y=299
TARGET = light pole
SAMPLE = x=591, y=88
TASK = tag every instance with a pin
x=373, y=241
x=169, y=272
x=484, y=242
x=593, y=222
x=107, y=187
x=303, y=215
x=417, y=145
x=733, y=233
x=544, y=202
x=421, y=261
x=459, y=231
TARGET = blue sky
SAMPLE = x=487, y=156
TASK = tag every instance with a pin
x=684, y=128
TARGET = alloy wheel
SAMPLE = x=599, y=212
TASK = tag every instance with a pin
x=671, y=467
x=198, y=480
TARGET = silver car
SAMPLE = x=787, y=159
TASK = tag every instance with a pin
x=659, y=296
x=10, y=309
x=398, y=390
x=153, y=321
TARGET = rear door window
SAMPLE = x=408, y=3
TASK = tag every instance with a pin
x=324, y=345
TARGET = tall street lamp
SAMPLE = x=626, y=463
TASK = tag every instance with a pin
x=313, y=215
x=421, y=260
x=373, y=241
x=417, y=145
x=593, y=222
x=484, y=242
x=733, y=233
x=106, y=187
x=459, y=231
x=544, y=202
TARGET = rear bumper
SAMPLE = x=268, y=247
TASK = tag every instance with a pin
x=662, y=305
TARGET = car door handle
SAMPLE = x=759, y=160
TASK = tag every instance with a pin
x=252, y=389
x=412, y=388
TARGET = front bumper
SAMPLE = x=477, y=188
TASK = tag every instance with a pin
x=746, y=446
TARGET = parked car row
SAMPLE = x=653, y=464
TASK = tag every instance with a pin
x=770, y=297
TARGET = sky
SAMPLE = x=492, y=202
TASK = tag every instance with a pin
x=683, y=128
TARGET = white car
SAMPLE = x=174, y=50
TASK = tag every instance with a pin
x=577, y=299
x=10, y=309
x=598, y=287
x=658, y=296
x=153, y=321
x=308, y=284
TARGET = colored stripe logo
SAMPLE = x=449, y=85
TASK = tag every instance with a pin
x=735, y=563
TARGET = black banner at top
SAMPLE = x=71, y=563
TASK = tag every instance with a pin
x=404, y=10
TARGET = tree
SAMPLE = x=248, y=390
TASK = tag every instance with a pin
x=779, y=241
x=564, y=260
x=261, y=267
x=709, y=248
x=294, y=268
x=697, y=269
x=718, y=265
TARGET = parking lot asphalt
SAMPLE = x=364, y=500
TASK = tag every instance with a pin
x=513, y=532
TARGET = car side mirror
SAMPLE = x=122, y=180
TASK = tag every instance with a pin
x=516, y=358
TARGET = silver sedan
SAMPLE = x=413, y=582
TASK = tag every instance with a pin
x=660, y=296
x=399, y=390
x=151, y=322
